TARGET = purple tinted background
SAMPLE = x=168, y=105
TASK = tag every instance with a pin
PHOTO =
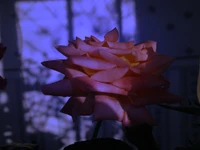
x=31, y=29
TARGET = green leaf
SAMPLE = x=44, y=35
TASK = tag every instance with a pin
x=188, y=109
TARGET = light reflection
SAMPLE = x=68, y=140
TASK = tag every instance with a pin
x=6, y=109
x=7, y=133
x=3, y=98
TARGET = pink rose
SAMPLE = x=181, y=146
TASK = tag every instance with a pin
x=111, y=80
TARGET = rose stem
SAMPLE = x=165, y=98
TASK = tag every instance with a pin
x=96, y=130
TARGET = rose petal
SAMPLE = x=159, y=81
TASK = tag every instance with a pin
x=116, y=51
x=77, y=106
x=91, y=63
x=140, y=55
x=112, y=58
x=62, y=88
x=95, y=54
x=88, y=71
x=69, y=50
x=132, y=84
x=88, y=85
x=121, y=45
x=97, y=44
x=135, y=70
x=120, y=109
x=93, y=38
x=110, y=75
x=138, y=116
x=73, y=73
x=57, y=65
x=112, y=36
x=146, y=45
x=107, y=108
x=150, y=44
x=154, y=96
x=138, y=47
x=156, y=65
x=88, y=105
x=83, y=46
x=73, y=106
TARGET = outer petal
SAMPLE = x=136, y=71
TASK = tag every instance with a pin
x=146, y=45
x=69, y=50
x=88, y=85
x=157, y=64
x=107, y=108
x=57, y=65
x=91, y=63
x=137, y=116
x=88, y=106
x=73, y=106
x=132, y=84
x=77, y=106
x=112, y=36
x=110, y=75
x=62, y=88
x=120, y=109
x=151, y=44
x=154, y=96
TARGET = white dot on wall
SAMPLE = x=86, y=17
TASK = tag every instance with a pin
x=6, y=110
x=3, y=98
x=30, y=129
x=8, y=141
x=7, y=133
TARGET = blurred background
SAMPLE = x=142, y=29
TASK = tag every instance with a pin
x=31, y=28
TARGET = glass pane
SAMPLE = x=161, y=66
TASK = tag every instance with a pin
x=94, y=17
x=128, y=20
x=41, y=26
